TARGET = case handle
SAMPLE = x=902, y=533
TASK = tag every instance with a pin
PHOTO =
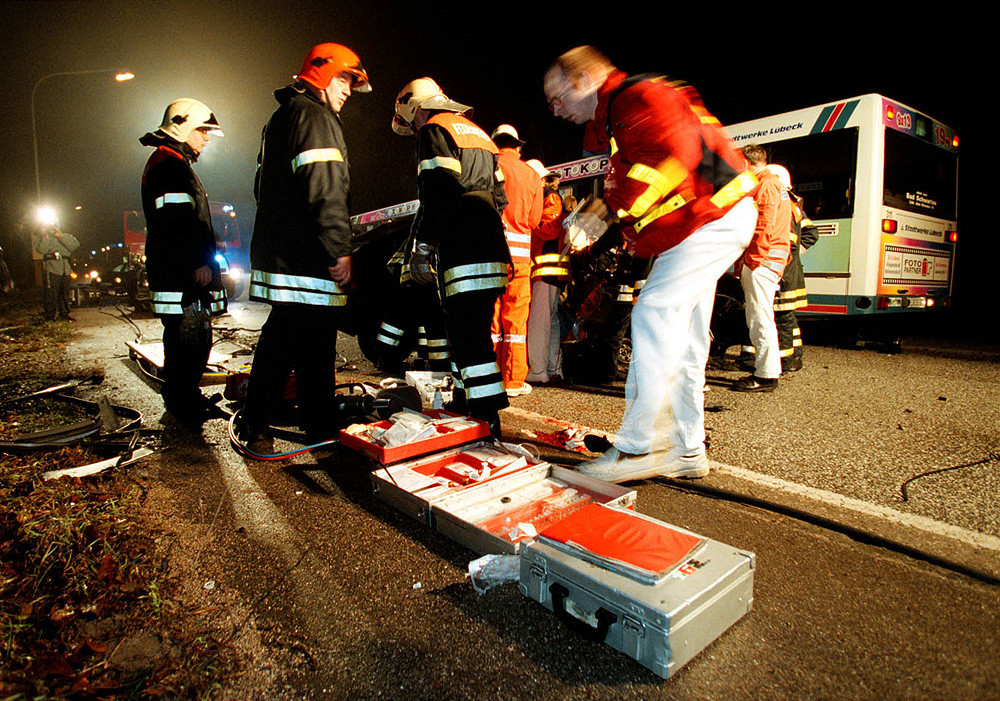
x=596, y=633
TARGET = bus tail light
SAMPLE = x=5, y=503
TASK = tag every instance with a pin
x=889, y=226
x=951, y=236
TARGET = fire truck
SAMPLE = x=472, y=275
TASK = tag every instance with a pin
x=233, y=252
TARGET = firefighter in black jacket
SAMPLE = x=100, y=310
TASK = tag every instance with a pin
x=184, y=278
x=457, y=237
x=301, y=248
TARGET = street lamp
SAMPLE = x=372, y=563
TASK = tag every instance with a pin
x=120, y=76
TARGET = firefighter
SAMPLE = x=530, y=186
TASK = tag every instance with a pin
x=457, y=237
x=680, y=190
x=792, y=288
x=185, y=282
x=760, y=269
x=300, y=253
x=523, y=213
x=549, y=274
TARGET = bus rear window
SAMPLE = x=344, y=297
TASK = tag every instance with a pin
x=919, y=177
x=822, y=168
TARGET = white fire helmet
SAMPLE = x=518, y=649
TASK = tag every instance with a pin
x=508, y=131
x=184, y=116
x=783, y=175
x=421, y=93
x=538, y=167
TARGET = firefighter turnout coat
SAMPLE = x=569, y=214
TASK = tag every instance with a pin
x=302, y=189
x=461, y=200
x=180, y=238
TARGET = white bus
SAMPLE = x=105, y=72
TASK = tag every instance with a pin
x=880, y=180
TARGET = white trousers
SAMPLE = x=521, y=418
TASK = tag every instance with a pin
x=544, y=333
x=759, y=286
x=664, y=390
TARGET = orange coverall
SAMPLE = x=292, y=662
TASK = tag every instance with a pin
x=522, y=214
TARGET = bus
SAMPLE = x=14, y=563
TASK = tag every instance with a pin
x=880, y=181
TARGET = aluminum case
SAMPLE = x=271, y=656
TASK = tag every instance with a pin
x=661, y=625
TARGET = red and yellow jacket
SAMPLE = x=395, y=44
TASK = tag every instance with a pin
x=548, y=261
x=673, y=167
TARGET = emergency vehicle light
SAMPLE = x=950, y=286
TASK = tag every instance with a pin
x=889, y=226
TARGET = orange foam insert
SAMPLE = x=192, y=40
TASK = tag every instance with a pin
x=622, y=536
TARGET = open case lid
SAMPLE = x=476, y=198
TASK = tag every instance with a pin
x=623, y=541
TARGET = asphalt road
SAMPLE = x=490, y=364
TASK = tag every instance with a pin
x=858, y=592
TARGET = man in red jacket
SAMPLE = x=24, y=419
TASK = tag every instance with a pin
x=680, y=190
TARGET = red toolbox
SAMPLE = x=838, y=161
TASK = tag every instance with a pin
x=449, y=430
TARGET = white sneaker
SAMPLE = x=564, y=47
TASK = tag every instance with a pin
x=615, y=466
x=525, y=388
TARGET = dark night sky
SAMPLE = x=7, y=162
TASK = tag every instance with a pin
x=232, y=55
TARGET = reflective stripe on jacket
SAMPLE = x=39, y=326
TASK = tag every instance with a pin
x=550, y=262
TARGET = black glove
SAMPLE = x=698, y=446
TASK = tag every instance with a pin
x=423, y=263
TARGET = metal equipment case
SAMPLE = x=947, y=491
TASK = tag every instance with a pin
x=661, y=619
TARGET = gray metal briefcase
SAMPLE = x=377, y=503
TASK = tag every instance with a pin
x=660, y=618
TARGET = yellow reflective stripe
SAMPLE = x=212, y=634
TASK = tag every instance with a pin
x=674, y=203
x=614, y=146
x=474, y=269
x=662, y=180
x=316, y=155
x=490, y=390
x=481, y=370
x=735, y=190
x=299, y=289
x=440, y=162
x=704, y=115
x=475, y=284
x=549, y=272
